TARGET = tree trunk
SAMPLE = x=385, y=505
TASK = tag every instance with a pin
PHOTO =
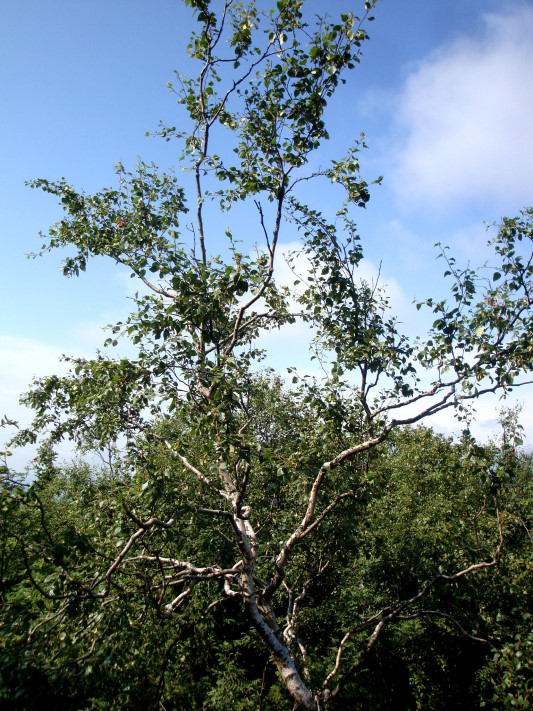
x=282, y=658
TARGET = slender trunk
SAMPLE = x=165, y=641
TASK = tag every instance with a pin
x=282, y=658
x=264, y=620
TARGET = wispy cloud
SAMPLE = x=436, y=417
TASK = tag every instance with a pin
x=22, y=359
x=290, y=344
x=463, y=129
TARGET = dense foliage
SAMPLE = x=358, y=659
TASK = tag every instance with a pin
x=414, y=512
x=243, y=544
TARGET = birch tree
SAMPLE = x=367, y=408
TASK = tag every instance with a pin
x=189, y=443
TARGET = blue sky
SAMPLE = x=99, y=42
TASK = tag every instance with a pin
x=444, y=94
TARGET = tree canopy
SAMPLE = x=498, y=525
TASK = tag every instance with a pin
x=256, y=542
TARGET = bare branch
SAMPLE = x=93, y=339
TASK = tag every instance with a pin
x=197, y=473
x=270, y=271
x=445, y=615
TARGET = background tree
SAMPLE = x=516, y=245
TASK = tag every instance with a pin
x=227, y=491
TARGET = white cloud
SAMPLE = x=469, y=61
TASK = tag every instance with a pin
x=22, y=359
x=131, y=286
x=463, y=120
x=485, y=425
x=290, y=344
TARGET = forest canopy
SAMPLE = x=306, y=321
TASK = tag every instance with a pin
x=245, y=541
